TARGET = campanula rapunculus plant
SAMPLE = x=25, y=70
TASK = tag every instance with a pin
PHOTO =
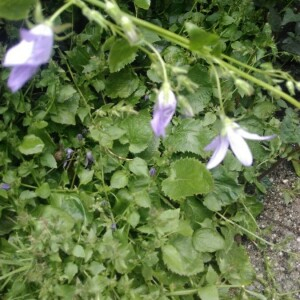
x=233, y=135
x=33, y=50
x=164, y=110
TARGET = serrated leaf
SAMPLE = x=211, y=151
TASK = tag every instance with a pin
x=189, y=136
x=31, y=144
x=120, y=55
x=15, y=9
x=188, y=177
x=181, y=258
x=208, y=240
x=121, y=84
x=119, y=180
x=138, y=167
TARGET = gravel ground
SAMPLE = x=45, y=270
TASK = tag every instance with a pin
x=278, y=268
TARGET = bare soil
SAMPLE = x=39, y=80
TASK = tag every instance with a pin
x=278, y=267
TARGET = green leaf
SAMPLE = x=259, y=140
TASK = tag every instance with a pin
x=209, y=292
x=31, y=144
x=142, y=199
x=290, y=16
x=133, y=219
x=264, y=110
x=120, y=55
x=201, y=40
x=119, y=180
x=138, y=167
x=138, y=131
x=181, y=257
x=85, y=176
x=15, y=9
x=43, y=191
x=71, y=270
x=78, y=251
x=202, y=96
x=145, y=4
x=121, y=84
x=189, y=136
x=226, y=190
x=187, y=177
x=167, y=221
x=211, y=275
x=48, y=160
x=66, y=92
x=70, y=204
x=235, y=266
x=208, y=240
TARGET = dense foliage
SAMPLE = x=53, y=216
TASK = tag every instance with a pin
x=93, y=204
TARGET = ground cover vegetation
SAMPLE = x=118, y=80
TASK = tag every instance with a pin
x=134, y=135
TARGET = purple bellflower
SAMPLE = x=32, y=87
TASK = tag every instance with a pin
x=25, y=58
x=164, y=110
x=233, y=135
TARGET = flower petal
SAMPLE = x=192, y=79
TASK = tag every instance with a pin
x=19, y=76
x=220, y=144
x=253, y=136
x=163, y=112
x=213, y=144
x=239, y=147
x=19, y=54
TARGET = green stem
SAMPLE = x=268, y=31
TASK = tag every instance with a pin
x=261, y=83
x=60, y=10
x=163, y=65
x=245, y=230
x=218, y=88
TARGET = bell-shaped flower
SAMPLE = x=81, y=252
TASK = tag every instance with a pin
x=164, y=110
x=33, y=50
x=233, y=135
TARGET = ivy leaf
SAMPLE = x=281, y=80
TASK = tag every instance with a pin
x=15, y=9
x=31, y=144
x=208, y=240
x=189, y=136
x=121, y=84
x=188, y=177
x=121, y=54
x=181, y=257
